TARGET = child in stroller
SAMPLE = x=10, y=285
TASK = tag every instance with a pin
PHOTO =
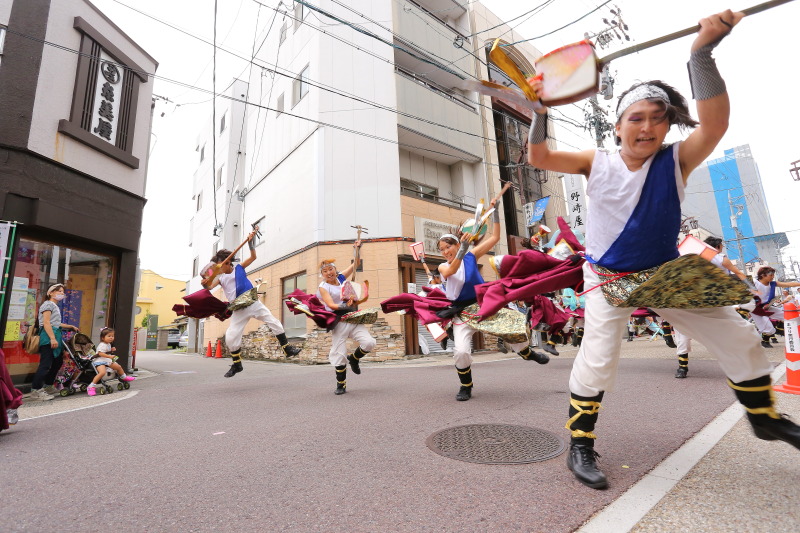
x=89, y=371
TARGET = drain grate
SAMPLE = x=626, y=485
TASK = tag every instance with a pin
x=498, y=444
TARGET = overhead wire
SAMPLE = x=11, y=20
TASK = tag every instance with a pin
x=268, y=108
x=562, y=27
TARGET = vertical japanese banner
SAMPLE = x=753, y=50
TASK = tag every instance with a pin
x=107, y=97
x=576, y=201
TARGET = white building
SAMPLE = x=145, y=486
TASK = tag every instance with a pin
x=352, y=131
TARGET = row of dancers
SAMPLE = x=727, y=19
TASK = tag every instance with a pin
x=632, y=229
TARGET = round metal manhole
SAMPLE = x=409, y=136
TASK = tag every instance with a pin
x=496, y=444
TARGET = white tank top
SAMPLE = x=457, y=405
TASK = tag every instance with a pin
x=334, y=290
x=614, y=192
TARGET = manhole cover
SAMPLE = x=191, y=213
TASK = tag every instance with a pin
x=498, y=444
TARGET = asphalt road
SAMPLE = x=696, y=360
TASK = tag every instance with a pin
x=273, y=449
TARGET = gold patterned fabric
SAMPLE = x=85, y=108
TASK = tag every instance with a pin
x=688, y=282
x=507, y=324
x=617, y=288
x=364, y=316
x=246, y=299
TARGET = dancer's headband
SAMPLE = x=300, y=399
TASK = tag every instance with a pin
x=450, y=235
x=642, y=92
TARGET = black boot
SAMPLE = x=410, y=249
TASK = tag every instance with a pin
x=765, y=341
x=550, y=346
x=758, y=399
x=582, y=459
x=341, y=380
x=501, y=346
x=668, y=335
x=529, y=354
x=579, y=337
x=236, y=367
x=630, y=336
x=774, y=339
x=288, y=349
x=779, y=329
x=465, y=376
x=354, y=358
x=683, y=366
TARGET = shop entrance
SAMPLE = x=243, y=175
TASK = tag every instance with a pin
x=37, y=265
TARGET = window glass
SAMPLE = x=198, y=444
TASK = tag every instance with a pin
x=88, y=297
x=300, y=85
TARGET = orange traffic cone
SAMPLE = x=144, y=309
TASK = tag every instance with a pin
x=791, y=332
x=219, y=349
x=208, y=350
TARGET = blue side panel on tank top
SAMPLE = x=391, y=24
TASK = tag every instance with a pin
x=650, y=236
x=472, y=277
x=242, y=283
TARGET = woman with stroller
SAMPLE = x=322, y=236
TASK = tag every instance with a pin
x=105, y=357
x=636, y=193
x=50, y=354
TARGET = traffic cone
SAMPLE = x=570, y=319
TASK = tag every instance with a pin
x=791, y=315
x=208, y=350
x=219, y=349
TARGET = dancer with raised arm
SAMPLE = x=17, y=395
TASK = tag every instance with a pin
x=243, y=302
x=632, y=230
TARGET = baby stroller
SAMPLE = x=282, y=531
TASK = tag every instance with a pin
x=78, y=372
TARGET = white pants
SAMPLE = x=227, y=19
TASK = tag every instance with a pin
x=462, y=344
x=764, y=323
x=240, y=318
x=683, y=342
x=344, y=331
x=732, y=340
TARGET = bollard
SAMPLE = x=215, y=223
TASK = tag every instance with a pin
x=791, y=324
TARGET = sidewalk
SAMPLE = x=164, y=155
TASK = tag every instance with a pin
x=722, y=480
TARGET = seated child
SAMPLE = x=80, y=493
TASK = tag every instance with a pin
x=105, y=357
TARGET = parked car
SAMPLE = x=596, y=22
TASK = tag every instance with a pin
x=184, y=341
x=173, y=338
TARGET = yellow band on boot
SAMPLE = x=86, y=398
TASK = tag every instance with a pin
x=769, y=411
x=577, y=434
x=683, y=359
x=732, y=385
x=577, y=404
x=462, y=372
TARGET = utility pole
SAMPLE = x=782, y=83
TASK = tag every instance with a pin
x=736, y=210
x=595, y=115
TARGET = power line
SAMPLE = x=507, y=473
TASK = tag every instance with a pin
x=562, y=27
x=511, y=20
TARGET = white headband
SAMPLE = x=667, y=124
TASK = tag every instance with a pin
x=327, y=264
x=642, y=92
x=446, y=235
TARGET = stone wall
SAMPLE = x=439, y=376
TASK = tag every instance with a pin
x=262, y=344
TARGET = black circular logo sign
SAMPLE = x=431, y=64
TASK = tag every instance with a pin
x=110, y=72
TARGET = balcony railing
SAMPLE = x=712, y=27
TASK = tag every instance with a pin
x=415, y=193
x=441, y=91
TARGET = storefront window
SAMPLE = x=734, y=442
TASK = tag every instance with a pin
x=87, y=277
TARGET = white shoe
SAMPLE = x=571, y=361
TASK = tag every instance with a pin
x=13, y=416
x=40, y=395
x=50, y=389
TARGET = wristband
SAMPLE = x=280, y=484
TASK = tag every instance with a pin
x=462, y=251
x=422, y=260
x=251, y=245
x=496, y=216
x=538, y=132
x=704, y=77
